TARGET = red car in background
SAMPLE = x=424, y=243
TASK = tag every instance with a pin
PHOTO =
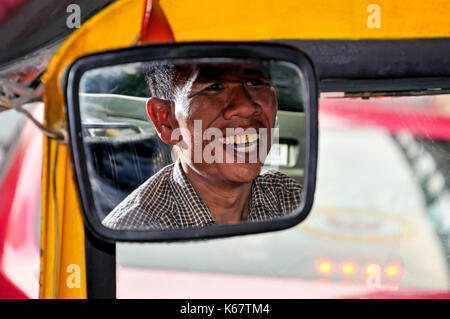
x=20, y=184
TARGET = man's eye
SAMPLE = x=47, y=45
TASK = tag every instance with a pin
x=215, y=87
x=256, y=82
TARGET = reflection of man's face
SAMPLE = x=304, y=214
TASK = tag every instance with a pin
x=227, y=96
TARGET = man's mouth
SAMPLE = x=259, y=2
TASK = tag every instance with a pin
x=244, y=143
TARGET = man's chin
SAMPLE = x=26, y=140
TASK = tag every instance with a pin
x=241, y=172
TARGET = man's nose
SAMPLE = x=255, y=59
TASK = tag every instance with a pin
x=241, y=103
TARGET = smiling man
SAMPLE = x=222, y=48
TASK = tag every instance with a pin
x=219, y=116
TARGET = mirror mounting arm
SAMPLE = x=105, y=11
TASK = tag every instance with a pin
x=15, y=96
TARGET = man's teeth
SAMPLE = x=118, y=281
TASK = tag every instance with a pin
x=239, y=139
x=246, y=149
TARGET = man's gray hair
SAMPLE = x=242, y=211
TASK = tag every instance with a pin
x=159, y=77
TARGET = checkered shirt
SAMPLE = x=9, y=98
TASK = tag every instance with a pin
x=168, y=200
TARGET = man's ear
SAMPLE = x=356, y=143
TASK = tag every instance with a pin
x=161, y=114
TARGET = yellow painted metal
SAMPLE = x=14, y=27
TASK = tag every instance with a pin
x=307, y=19
x=62, y=241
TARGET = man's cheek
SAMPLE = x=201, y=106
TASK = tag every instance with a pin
x=270, y=112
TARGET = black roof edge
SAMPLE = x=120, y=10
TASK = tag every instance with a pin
x=377, y=59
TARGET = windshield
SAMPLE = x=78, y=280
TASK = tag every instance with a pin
x=380, y=220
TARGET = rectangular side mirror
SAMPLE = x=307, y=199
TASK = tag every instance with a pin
x=193, y=140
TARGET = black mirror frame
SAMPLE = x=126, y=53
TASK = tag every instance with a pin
x=257, y=50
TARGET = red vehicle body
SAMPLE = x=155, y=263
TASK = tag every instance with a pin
x=20, y=186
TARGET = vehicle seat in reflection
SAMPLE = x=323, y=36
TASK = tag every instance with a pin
x=118, y=165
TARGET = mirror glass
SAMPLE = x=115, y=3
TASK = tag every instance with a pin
x=185, y=143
